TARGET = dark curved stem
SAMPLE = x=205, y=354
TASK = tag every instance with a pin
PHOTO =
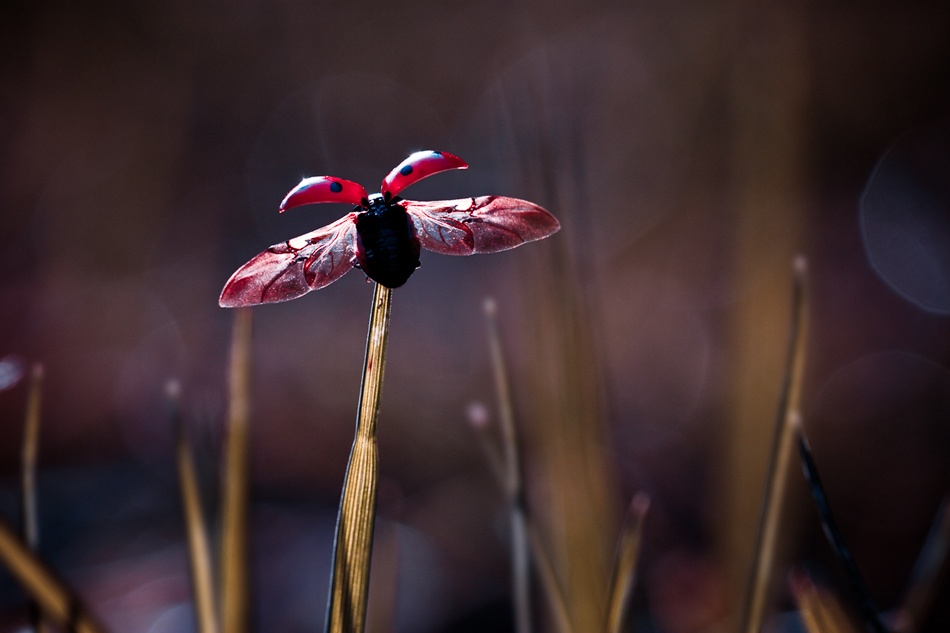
x=859, y=587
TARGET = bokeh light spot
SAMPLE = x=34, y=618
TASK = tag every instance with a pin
x=905, y=219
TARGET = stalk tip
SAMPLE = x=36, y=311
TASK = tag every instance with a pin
x=640, y=504
x=800, y=265
x=478, y=415
x=173, y=389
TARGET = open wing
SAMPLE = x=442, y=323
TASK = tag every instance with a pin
x=486, y=224
x=293, y=268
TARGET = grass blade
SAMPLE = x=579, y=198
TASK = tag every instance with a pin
x=628, y=552
x=233, y=574
x=930, y=567
x=859, y=587
x=56, y=600
x=819, y=609
x=514, y=480
x=764, y=553
x=479, y=421
x=542, y=560
x=31, y=432
x=549, y=582
x=346, y=612
x=29, y=528
x=199, y=551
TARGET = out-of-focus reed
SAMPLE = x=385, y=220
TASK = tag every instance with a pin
x=50, y=596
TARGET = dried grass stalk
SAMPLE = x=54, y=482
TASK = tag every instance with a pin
x=199, y=550
x=234, y=574
x=628, y=552
x=30, y=527
x=31, y=433
x=346, y=612
x=819, y=609
x=859, y=587
x=56, y=600
x=538, y=552
x=925, y=578
x=783, y=448
x=513, y=478
x=557, y=601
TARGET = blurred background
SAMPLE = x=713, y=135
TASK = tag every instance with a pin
x=690, y=150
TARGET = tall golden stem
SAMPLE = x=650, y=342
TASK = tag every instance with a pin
x=783, y=449
x=354, y=529
x=234, y=572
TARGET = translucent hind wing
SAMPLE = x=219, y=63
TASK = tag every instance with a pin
x=486, y=224
x=293, y=268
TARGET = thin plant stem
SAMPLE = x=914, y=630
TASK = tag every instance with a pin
x=859, y=587
x=56, y=600
x=478, y=419
x=199, y=551
x=233, y=573
x=50, y=596
x=499, y=461
x=783, y=446
x=31, y=431
x=557, y=600
x=539, y=554
x=925, y=577
x=30, y=528
x=346, y=611
x=819, y=609
x=514, y=480
x=628, y=552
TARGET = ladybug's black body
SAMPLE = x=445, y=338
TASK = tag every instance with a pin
x=388, y=249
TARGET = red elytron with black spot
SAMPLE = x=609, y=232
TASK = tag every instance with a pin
x=383, y=234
